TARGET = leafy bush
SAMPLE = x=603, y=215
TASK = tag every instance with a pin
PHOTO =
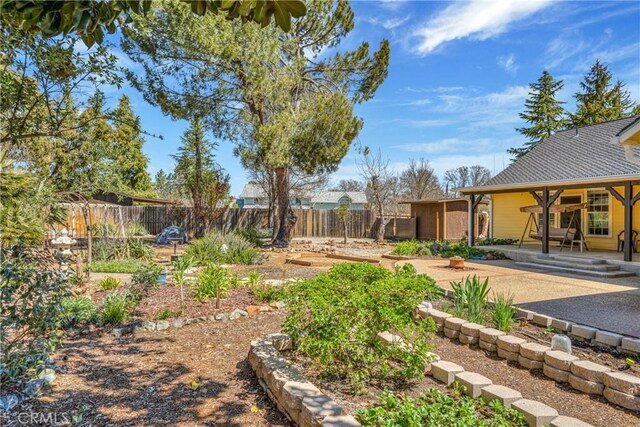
x=335, y=317
x=77, y=311
x=109, y=283
x=167, y=313
x=472, y=296
x=266, y=292
x=412, y=247
x=435, y=408
x=221, y=249
x=117, y=307
x=147, y=275
x=252, y=235
x=128, y=266
x=503, y=311
x=212, y=282
x=135, y=229
x=31, y=293
x=119, y=249
x=491, y=242
x=103, y=229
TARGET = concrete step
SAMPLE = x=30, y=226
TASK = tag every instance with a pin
x=576, y=270
x=570, y=264
x=577, y=260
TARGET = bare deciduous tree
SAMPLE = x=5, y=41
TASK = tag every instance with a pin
x=349, y=185
x=374, y=169
x=465, y=176
x=420, y=181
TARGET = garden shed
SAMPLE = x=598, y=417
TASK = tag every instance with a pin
x=446, y=219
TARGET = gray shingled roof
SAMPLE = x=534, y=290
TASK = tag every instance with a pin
x=578, y=154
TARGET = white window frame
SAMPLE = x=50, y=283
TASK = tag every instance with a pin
x=586, y=214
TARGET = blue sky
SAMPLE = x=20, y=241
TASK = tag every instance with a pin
x=458, y=77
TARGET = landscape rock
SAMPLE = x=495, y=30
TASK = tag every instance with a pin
x=585, y=386
x=501, y=393
x=34, y=387
x=253, y=310
x=8, y=402
x=161, y=325
x=524, y=314
x=622, y=399
x=237, y=313
x=622, y=382
x=177, y=323
x=536, y=413
x=589, y=371
x=281, y=342
x=467, y=339
x=222, y=316
x=48, y=375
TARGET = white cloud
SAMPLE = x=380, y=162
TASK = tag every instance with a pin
x=508, y=63
x=429, y=123
x=392, y=4
x=476, y=19
x=392, y=23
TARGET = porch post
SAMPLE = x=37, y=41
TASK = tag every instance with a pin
x=471, y=238
x=628, y=221
x=545, y=220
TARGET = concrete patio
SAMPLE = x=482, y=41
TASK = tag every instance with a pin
x=609, y=304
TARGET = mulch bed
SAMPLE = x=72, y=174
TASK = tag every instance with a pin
x=194, y=376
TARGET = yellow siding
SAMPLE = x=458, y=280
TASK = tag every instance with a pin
x=509, y=222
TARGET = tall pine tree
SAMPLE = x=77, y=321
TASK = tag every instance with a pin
x=543, y=112
x=599, y=100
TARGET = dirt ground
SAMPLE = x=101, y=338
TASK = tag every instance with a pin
x=194, y=376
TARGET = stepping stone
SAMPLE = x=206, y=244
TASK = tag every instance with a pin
x=501, y=393
x=622, y=382
x=533, y=351
x=445, y=372
x=473, y=383
x=585, y=386
x=589, y=371
x=536, y=413
x=559, y=359
x=510, y=343
x=563, y=421
x=622, y=399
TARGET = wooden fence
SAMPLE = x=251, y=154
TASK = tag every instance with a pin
x=310, y=223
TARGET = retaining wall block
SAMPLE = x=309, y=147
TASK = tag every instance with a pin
x=509, y=355
x=582, y=332
x=536, y=413
x=501, y=393
x=534, y=351
x=589, y=371
x=445, y=372
x=454, y=323
x=316, y=408
x=559, y=359
x=487, y=346
x=523, y=314
x=530, y=364
x=340, y=421
x=608, y=339
x=293, y=393
x=510, y=343
x=471, y=329
x=467, y=339
x=422, y=312
x=585, y=386
x=490, y=335
x=630, y=345
x=541, y=320
x=558, y=375
x=451, y=333
x=563, y=421
x=473, y=383
x=622, y=382
x=561, y=325
x=438, y=317
x=622, y=399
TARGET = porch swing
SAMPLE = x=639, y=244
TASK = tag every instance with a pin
x=572, y=233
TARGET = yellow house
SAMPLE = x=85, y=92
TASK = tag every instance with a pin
x=576, y=189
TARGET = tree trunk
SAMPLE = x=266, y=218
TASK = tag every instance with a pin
x=344, y=224
x=381, y=225
x=286, y=217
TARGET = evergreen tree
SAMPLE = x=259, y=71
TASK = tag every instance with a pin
x=599, y=100
x=543, y=112
x=130, y=163
x=203, y=179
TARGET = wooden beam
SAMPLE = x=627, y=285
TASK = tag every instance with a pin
x=545, y=221
x=594, y=184
x=635, y=198
x=615, y=194
x=471, y=235
x=628, y=221
x=553, y=198
x=477, y=202
x=353, y=258
x=537, y=197
x=298, y=262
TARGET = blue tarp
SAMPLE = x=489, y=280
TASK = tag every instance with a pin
x=172, y=232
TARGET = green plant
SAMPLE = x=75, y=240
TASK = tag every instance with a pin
x=254, y=278
x=503, y=311
x=135, y=229
x=471, y=294
x=266, y=292
x=629, y=362
x=167, y=313
x=31, y=293
x=436, y=408
x=109, y=283
x=117, y=307
x=496, y=242
x=229, y=249
x=120, y=249
x=77, y=311
x=103, y=229
x=212, y=282
x=335, y=317
x=412, y=247
x=180, y=266
x=252, y=235
x=128, y=266
x=147, y=275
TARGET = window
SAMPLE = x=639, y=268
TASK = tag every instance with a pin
x=598, y=212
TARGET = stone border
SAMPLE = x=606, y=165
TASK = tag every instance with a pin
x=300, y=400
x=588, y=377
x=32, y=388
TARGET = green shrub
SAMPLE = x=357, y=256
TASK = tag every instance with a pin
x=167, y=313
x=213, y=282
x=334, y=318
x=147, y=275
x=135, y=229
x=435, y=408
x=77, y=311
x=31, y=293
x=472, y=296
x=128, y=266
x=254, y=278
x=266, y=292
x=503, y=311
x=117, y=249
x=411, y=247
x=221, y=249
x=252, y=235
x=492, y=242
x=117, y=307
x=103, y=229
x=109, y=283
